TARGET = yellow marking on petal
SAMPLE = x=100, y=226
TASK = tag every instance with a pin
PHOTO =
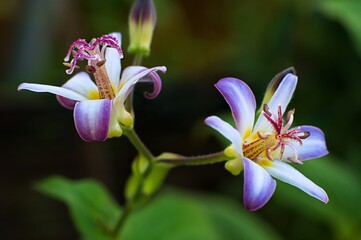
x=264, y=162
x=93, y=94
x=114, y=89
x=247, y=133
x=121, y=84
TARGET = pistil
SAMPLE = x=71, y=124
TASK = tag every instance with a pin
x=255, y=148
x=101, y=77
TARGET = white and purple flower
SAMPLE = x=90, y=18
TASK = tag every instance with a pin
x=99, y=110
x=265, y=148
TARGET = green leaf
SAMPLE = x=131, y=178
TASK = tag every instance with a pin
x=348, y=13
x=176, y=215
x=93, y=210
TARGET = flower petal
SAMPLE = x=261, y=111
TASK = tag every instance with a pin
x=80, y=83
x=52, y=89
x=113, y=66
x=288, y=174
x=131, y=75
x=241, y=101
x=227, y=131
x=157, y=84
x=92, y=119
x=258, y=185
x=312, y=147
x=281, y=97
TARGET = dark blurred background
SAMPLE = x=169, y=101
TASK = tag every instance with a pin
x=199, y=42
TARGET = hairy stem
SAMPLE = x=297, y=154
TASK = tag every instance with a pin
x=196, y=160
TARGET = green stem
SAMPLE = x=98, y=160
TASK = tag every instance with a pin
x=196, y=160
x=143, y=150
x=137, y=59
x=138, y=144
x=124, y=215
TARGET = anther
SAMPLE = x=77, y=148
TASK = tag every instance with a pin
x=295, y=160
x=266, y=109
x=69, y=65
x=304, y=135
x=90, y=69
x=269, y=155
x=290, y=113
x=263, y=135
x=101, y=63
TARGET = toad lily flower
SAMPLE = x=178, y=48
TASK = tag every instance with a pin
x=264, y=149
x=99, y=110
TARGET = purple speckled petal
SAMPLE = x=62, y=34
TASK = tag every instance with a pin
x=258, y=185
x=312, y=147
x=227, y=131
x=241, y=101
x=92, y=119
x=52, y=89
x=131, y=75
x=80, y=83
x=281, y=97
x=288, y=174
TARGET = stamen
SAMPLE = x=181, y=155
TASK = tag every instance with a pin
x=290, y=114
x=269, y=155
x=289, y=119
x=90, y=69
x=295, y=158
x=266, y=110
x=263, y=135
x=101, y=63
x=304, y=134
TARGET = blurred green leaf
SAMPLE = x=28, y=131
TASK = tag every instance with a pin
x=176, y=215
x=348, y=13
x=343, y=188
x=93, y=210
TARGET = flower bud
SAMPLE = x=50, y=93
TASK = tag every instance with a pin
x=273, y=85
x=142, y=21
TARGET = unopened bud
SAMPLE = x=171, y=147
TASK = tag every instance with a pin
x=142, y=21
x=273, y=85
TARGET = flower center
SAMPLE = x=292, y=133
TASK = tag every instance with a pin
x=278, y=139
x=254, y=149
x=94, y=52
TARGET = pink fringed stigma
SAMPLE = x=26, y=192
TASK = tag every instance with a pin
x=91, y=51
x=283, y=134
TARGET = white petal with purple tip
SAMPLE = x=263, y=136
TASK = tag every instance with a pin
x=52, y=89
x=288, y=174
x=92, y=119
x=130, y=76
x=258, y=185
x=227, y=131
x=241, y=101
x=312, y=147
x=281, y=97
